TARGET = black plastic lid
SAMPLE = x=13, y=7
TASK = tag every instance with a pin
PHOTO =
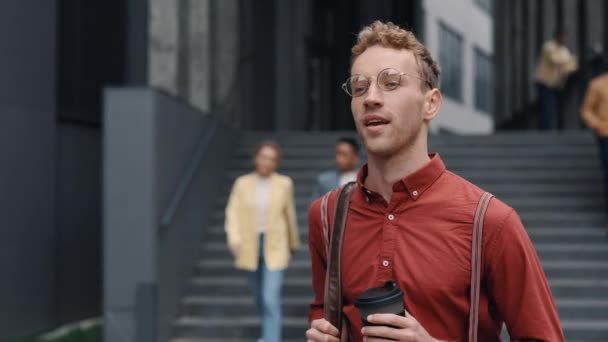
x=379, y=296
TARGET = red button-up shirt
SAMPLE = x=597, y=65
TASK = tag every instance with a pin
x=422, y=239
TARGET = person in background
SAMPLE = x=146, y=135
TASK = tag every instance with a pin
x=594, y=113
x=262, y=233
x=554, y=65
x=347, y=160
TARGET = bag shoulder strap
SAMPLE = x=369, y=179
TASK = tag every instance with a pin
x=325, y=220
x=476, y=252
x=333, y=278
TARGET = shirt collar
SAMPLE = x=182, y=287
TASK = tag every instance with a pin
x=415, y=184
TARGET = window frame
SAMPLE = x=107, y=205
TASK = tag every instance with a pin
x=452, y=79
x=483, y=101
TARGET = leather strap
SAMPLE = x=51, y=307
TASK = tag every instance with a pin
x=476, y=253
x=325, y=221
x=333, y=278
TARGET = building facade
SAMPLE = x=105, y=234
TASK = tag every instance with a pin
x=459, y=34
x=278, y=65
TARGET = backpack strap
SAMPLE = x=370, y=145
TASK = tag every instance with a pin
x=333, y=278
x=476, y=252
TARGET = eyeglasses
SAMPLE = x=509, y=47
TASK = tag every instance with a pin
x=387, y=79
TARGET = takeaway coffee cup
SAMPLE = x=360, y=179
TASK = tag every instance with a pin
x=383, y=299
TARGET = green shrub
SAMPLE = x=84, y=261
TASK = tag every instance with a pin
x=85, y=331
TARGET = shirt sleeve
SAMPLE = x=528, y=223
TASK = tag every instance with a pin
x=316, y=246
x=518, y=286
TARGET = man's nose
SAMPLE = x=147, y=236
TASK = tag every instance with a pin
x=373, y=96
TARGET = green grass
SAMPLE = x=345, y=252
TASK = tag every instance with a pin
x=86, y=331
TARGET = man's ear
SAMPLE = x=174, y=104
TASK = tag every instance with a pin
x=432, y=104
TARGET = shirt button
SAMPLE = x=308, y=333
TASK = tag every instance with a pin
x=415, y=193
x=385, y=263
x=391, y=217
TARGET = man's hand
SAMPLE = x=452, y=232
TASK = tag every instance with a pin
x=322, y=331
x=395, y=328
x=234, y=250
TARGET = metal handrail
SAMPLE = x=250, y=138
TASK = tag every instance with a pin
x=188, y=175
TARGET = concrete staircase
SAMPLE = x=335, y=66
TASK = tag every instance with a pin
x=553, y=180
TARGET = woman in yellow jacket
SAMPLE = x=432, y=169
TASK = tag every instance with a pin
x=262, y=232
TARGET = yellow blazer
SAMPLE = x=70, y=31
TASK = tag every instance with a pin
x=282, y=235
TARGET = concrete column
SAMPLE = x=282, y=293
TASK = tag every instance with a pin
x=164, y=45
x=550, y=20
x=284, y=55
x=199, y=50
x=595, y=24
x=570, y=24
x=226, y=74
x=291, y=71
x=129, y=211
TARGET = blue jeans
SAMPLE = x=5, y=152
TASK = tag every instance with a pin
x=603, y=145
x=266, y=286
x=547, y=99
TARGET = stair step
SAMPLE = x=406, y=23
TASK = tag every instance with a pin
x=225, y=267
x=579, y=268
x=567, y=250
x=240, y=305
x=237, y=285
x=220, y=263
x=586, y=329
x=228, y=327
x=567, y=235
x=583, y=309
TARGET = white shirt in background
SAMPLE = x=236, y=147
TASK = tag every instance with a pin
x=262, y=196
x=348, y=177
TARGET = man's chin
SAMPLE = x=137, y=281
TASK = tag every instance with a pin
x=379, y=150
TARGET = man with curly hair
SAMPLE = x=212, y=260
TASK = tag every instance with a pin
x=410, y=220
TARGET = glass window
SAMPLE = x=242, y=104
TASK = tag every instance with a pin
x=484, y=82
x=450, y=58
x=486, y=5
